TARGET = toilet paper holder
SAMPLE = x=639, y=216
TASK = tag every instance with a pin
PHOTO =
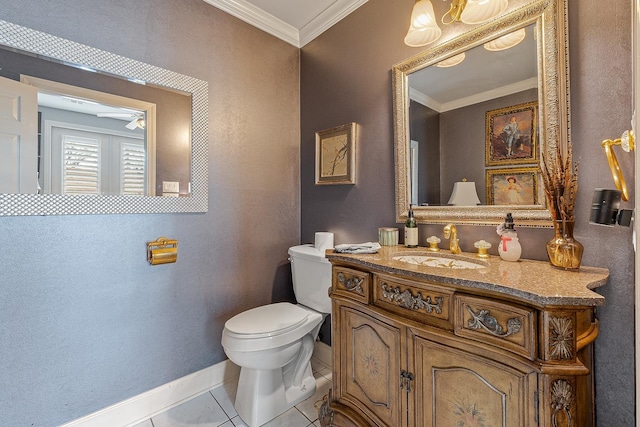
x=162, y=251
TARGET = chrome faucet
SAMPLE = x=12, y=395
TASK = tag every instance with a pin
x=451, y=233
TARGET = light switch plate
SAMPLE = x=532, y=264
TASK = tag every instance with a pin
x=170, y=187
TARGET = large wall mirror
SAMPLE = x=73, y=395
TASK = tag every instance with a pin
x=90, y=132
x=457, y=103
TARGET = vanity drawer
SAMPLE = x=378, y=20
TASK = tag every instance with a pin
x=352, y=283
x=504, y=325
x=420, y=301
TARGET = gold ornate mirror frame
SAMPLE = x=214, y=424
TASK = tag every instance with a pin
x=553, y=99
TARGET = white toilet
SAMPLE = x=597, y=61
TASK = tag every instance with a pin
x=273, y=343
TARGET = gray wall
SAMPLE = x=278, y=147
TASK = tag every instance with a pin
x=425, y=128
x=85, y=321
x=346, y=77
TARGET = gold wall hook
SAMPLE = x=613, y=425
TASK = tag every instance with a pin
x=162, y=251
x=627, y=142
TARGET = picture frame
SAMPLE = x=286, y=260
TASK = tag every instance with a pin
x=512, y=186
x=512, y=135
x=336, y=155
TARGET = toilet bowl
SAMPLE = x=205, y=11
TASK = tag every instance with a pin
x=273, y=344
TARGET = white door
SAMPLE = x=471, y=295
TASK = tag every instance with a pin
x=18, y=137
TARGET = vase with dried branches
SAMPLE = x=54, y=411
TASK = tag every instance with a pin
x=560, y=177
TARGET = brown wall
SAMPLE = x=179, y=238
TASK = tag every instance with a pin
x=345, y=76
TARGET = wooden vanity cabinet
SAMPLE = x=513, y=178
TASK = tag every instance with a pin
x=411, y=352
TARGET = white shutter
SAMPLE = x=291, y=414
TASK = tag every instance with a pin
x=132, y=169
x=80, y=165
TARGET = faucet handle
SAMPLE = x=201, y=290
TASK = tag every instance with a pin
x=433, y=244
x=482, y=247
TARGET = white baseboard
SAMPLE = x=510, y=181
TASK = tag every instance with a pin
x=148, y=404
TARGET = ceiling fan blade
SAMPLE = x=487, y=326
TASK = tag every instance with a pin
x=115, y=115
x=132, y=124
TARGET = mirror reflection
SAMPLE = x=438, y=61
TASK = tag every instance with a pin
x=473, y=125
x=93, y=133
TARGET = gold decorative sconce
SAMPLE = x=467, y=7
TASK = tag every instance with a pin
x=162, y=251
x=627, y=142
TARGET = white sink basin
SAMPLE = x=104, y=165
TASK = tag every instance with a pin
x=440, y=261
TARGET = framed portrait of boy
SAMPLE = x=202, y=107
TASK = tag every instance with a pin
x=511, y=135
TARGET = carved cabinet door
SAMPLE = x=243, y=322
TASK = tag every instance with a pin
x=459, y=389
x=371, y=367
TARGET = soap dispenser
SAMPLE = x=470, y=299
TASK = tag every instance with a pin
x=509, y=248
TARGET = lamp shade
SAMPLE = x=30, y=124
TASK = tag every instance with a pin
x=464, y=194
x=507, y=41
x=450, y=62
x=424, y=28
x=479, y=11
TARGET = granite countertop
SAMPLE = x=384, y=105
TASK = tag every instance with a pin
x=536, y=282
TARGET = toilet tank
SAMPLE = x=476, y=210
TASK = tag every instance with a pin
x=311, y=273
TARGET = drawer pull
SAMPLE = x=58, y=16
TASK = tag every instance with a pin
x=484, y=320
x=407, y=300
x=352, y=284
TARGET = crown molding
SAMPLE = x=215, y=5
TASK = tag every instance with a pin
x=268, y=23
x=329, y=17
x=416, y=95
x=255, y=16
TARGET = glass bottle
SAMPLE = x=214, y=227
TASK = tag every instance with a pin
x=411, y=230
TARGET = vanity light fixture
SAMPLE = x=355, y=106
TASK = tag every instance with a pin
x=507, y=41
x=424, y=28
x=474, y=11
x=450, y=62
x=464, y=194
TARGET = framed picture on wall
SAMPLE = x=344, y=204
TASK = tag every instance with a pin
x=512, y=186
x=511, y=135
x=336, y=155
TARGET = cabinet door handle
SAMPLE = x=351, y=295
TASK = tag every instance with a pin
x=408, y=377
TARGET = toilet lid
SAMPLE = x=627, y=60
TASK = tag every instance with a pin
x=272, y=319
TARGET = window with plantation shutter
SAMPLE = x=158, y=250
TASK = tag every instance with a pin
x=81, y=161
x=93, y=161
x=132, y=157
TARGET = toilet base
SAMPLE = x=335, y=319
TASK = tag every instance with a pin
x=262, y=394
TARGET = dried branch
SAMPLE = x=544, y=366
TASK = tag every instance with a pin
x=560, y=179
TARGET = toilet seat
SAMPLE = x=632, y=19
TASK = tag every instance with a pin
x=269, y=326
x=267, y=320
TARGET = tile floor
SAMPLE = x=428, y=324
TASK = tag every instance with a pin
x=215, y=408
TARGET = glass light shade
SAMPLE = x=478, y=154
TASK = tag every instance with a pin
x=423, y=29
x=450, y=62
x=479, y=11
x=464, y=194
x=507, y=41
